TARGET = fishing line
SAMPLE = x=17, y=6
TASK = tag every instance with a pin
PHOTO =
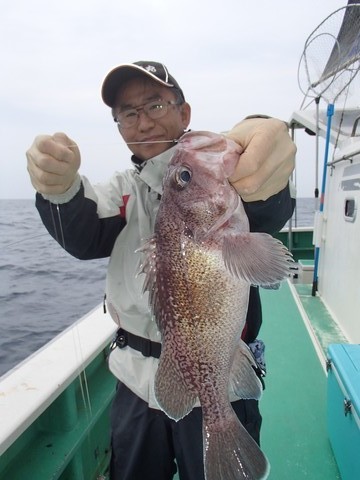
x=153, y=141
x=25, y=239
x=60, y=226
x=78, y=350
x=53, y=222
x=84, y=387
x=174, y=140
x=81, y=368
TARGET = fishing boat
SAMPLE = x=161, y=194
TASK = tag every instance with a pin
x=54, y=406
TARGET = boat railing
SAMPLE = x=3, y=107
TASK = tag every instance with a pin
x=54, y=405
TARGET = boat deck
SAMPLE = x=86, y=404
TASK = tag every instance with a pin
x=294, y=433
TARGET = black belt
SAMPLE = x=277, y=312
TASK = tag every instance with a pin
x=141, y=344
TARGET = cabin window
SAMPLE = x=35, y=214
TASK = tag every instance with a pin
x=350, y=209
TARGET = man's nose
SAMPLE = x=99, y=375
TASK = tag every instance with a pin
x=144, y=120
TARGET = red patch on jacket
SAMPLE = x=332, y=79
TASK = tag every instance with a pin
x=122, y=209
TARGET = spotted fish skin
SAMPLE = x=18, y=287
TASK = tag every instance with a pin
x=199, y=266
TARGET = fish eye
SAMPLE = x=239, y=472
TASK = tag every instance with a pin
x=183, y=176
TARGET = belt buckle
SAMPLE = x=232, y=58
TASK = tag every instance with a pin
x=121, y=340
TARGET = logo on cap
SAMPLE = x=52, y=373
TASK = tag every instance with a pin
x=150, y=68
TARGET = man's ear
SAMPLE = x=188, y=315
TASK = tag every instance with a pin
x=185, y=114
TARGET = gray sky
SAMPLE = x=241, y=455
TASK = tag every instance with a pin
x=232, y=58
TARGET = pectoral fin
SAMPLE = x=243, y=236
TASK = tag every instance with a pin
x=257, y=258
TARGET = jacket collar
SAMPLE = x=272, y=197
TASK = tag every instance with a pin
x=152, y=171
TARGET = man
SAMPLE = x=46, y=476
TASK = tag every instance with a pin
x=113, y=219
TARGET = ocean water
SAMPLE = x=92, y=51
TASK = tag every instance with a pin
x=43, y=289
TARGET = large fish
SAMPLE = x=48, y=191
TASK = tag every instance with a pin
x=199, y=266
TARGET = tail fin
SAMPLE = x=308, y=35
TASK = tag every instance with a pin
x=232, y=454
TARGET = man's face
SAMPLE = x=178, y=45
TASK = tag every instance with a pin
x=138, y=92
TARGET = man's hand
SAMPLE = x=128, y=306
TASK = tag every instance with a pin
x=268, y=159
x=52, y=163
